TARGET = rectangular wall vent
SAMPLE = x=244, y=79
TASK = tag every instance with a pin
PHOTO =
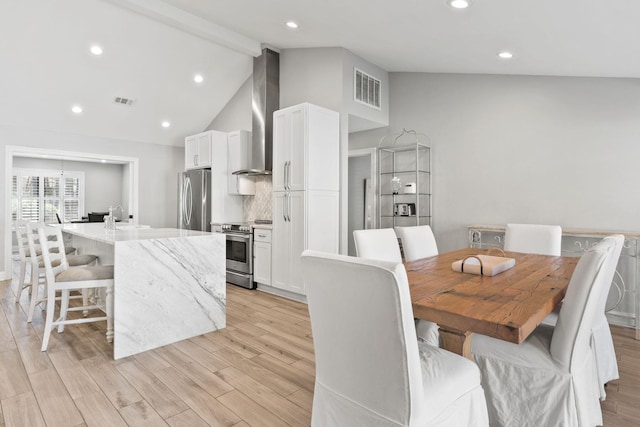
x=366, y=89
x=123, y=101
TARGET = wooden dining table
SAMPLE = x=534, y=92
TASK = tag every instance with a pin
x=507, y=306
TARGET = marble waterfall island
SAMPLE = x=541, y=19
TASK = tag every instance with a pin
x=169, y=284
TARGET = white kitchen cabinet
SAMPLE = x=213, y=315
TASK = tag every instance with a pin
x=238, y=152
x=197, y=151
x=224, y=207
x=306, y=190
x=262, y=256
x=306, y=149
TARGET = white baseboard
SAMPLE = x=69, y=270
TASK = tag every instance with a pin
x=282, y=293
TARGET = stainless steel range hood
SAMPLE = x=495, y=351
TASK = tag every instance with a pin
x=266, y=100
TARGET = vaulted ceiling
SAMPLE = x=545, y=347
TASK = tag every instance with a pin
x=153, y=49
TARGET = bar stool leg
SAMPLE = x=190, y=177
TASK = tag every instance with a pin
x=51, y=303
x=64, y=306
x=21, y=276
x=109, y=309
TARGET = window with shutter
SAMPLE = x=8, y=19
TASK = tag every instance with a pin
x=30, y=200
x=14, y=198
x=72, y=200
x=40, y=195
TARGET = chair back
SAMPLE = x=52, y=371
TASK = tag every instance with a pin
x=48, y=239
x=572, y=333
x=417, y=242
x=533, y=239
x=366, y=351
x=21, y=237
x=380, y=244
x=612, y=264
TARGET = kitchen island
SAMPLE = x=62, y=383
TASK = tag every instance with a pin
x=169, y=284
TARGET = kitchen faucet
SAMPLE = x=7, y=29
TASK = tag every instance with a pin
x=110, y=220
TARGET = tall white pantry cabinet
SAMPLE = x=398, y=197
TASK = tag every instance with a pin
x=306, y=180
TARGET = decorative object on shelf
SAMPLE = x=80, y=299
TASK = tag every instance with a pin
x=404, y=187
x=396, y=184
x=404, y=209
x=410, y=188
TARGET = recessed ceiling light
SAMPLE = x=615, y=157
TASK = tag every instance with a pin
x=103, y=161
x=292, y=25
x=198, y=78
x=505, y=55
x=96, y=50
x=76, y=109
x=459, y=4
x=166, y=124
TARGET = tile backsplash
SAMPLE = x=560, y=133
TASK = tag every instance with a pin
x=258, y=206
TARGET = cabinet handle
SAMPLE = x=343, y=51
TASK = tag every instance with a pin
x=284, y=207
x=288, y=207
x=237, y=183
x=195, y=160
x=284, y=175
x=289, y=175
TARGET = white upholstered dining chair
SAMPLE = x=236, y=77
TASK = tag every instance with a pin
x=601, y=339
x=417, y=242
x=382, y=244
x=62, y=278
x=32, y=241
x=370, y=368
x=377, y=243
x=533, y=239
x=550, y=378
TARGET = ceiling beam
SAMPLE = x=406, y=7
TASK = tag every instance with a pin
x=185, y=21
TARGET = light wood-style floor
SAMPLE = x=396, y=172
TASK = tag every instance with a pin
x=259, y=371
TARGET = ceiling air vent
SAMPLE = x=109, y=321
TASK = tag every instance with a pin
x=366, y=89
x=124, y=101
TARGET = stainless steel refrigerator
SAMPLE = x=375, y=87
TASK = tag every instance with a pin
x=194, y=203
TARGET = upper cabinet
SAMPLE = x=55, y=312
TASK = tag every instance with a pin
x=302, y=160
x=197, y=150
x=239, y=154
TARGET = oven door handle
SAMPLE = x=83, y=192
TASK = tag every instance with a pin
x=239, y=237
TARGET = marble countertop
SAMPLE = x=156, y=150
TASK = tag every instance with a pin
x=126, y=232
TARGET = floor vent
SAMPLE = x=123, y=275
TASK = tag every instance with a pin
x=123, y=101
x=366, y=89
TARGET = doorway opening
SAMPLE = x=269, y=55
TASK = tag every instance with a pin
x=362, y=205
x=129, y=185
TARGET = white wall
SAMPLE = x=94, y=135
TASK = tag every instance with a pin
x=236, y=115
x=552, y=150
x=103, y=181
x=311, y=75
x=158, y=170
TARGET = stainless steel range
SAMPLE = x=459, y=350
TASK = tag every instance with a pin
x=239, y=252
